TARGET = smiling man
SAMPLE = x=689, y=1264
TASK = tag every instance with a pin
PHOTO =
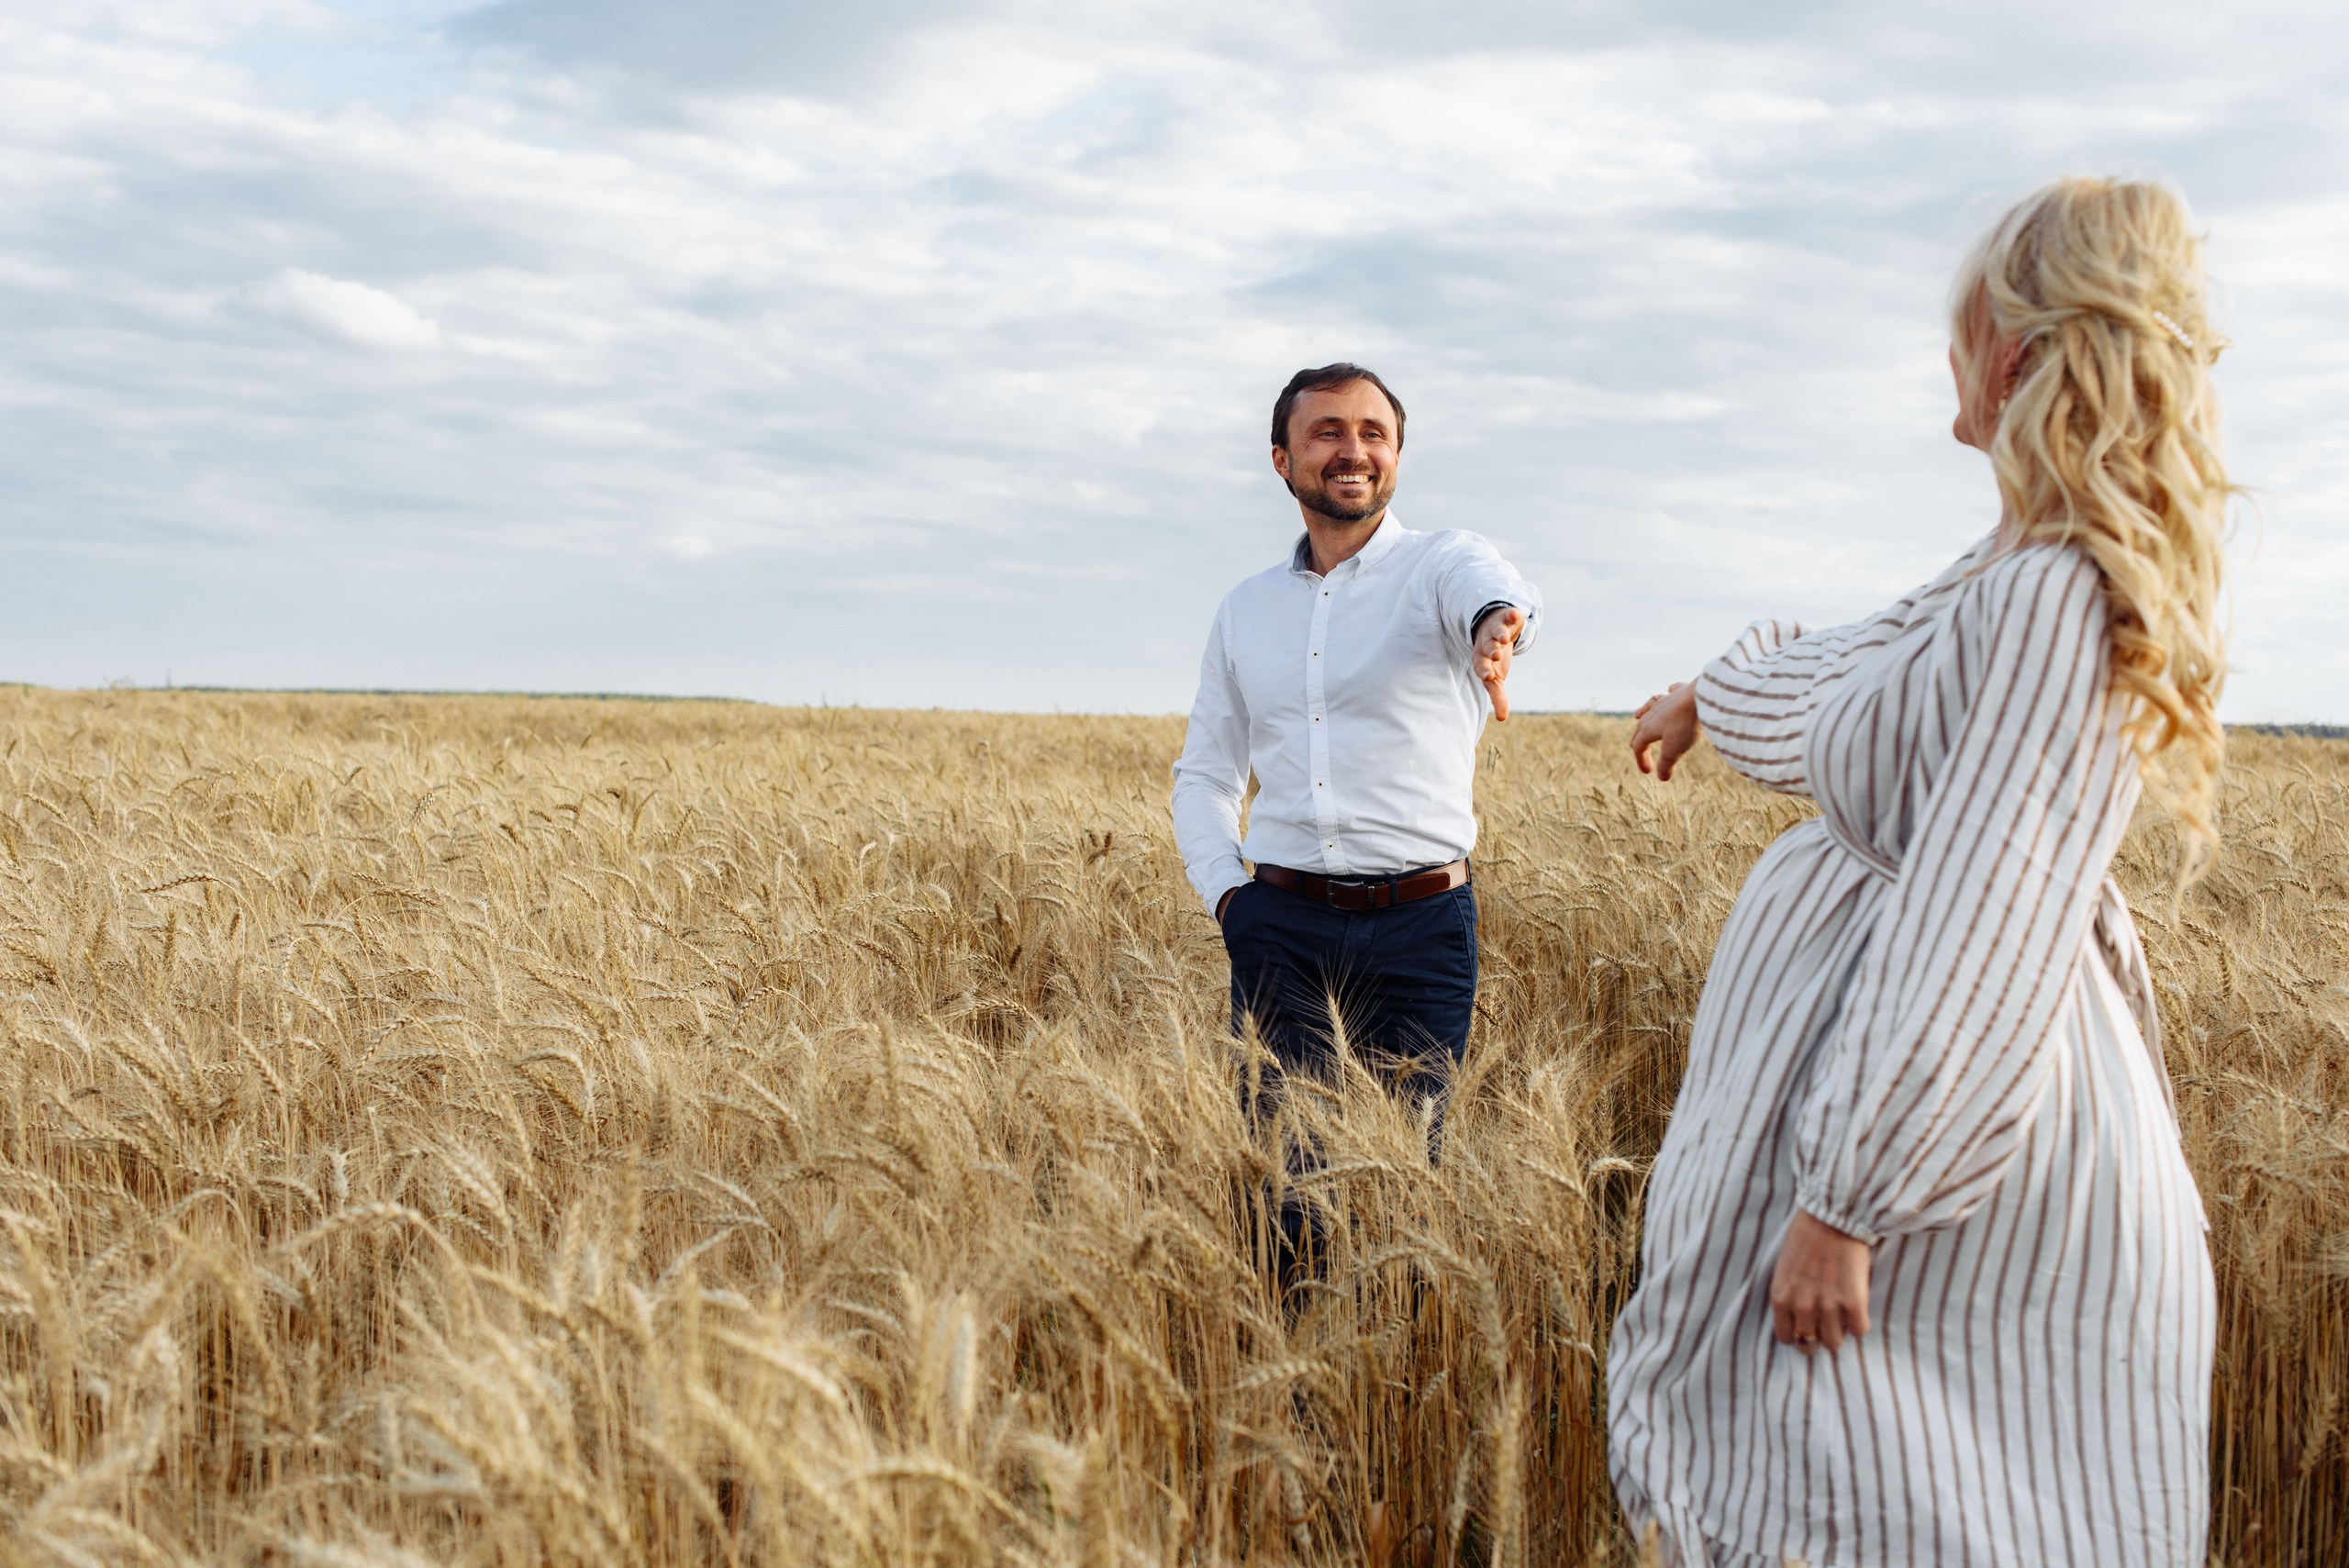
x=1347, y=678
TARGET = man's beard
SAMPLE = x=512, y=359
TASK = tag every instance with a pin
x=1316, y=495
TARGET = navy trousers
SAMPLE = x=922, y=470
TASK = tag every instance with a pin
x=1403, y=981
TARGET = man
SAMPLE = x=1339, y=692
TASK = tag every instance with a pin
x=1346, y=678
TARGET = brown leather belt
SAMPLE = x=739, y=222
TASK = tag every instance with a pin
x=1358, y=893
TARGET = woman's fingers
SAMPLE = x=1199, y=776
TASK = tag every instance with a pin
x=1797, y=1324
x=1675, y=746
x=1808, y=1322
x=1666, y=724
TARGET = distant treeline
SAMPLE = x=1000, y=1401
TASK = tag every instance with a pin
x=2306, y=732
x=419, y=691
x=2312, y=731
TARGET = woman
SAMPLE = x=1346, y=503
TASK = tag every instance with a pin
x=1923, y=1278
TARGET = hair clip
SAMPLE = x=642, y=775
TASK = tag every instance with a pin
x=2175, y=329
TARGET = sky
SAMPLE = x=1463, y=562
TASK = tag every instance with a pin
x=920, y=352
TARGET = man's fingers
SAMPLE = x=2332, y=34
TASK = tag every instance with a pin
x=1492, y=668
x=1500, y=628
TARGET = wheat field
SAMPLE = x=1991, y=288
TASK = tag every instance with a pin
x=456, y=1131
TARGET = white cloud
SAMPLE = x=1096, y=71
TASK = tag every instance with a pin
x=356, y=312
x=980, y=307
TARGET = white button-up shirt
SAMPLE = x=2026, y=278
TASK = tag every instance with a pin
x=1353, y=698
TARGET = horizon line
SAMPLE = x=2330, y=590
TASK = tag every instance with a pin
x=2315, y=730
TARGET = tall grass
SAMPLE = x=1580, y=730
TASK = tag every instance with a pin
x=491, y=1132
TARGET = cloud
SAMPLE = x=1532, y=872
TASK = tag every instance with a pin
x=355, y=312
x=968, y=315
x=709, y=46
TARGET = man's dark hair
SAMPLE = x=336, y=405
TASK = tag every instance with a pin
x=1342, y=373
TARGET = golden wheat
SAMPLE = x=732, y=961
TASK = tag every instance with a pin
x=510, y=1131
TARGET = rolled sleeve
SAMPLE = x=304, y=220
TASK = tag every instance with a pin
x=1473, y=580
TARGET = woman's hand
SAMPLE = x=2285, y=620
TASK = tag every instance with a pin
x=1667, y=723
x=1819, y=1292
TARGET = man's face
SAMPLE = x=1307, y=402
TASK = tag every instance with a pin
x=1341, y=456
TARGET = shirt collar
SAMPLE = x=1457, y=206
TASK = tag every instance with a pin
x=1383, y=538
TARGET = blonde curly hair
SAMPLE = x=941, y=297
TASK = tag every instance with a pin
x=2109, y=441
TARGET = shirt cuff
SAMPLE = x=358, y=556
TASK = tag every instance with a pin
x=1222, y=881
x=1479, y=620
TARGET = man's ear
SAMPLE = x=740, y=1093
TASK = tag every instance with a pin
x=1280, y=466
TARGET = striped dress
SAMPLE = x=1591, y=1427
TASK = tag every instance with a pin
x=1929, y=1023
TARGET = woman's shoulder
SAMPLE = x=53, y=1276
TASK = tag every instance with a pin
x=2031, y=569
x=2039, y=587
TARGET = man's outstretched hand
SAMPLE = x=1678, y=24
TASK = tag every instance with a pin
x=1667, y=723
x=1497, y=637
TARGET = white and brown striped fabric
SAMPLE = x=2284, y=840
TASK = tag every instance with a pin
x=1928, y=1023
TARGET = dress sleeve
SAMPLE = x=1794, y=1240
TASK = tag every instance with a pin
x=1947, y=1037
x=1757, y=700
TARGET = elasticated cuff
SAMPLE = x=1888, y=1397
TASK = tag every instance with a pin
x=1817, y=1206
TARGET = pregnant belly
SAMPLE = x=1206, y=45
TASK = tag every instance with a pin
x=1776, y=982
